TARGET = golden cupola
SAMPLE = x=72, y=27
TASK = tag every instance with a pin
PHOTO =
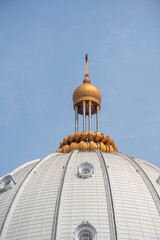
x=86, y=102
x=86, y=93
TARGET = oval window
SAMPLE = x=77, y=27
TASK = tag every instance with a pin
x=85, y=231
x=6, y=183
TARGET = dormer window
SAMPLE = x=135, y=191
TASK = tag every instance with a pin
x=6, y=183
x=85, y=231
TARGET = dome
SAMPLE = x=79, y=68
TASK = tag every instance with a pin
x=87, y=91
x=99, y=195
x=87, y=190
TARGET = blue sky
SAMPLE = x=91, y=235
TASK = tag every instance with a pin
x=42, y=48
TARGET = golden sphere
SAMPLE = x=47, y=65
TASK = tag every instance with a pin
x=83, y=146
x=65, y=148
x=77, y=136
x=90, y=135
x=84, y=135
x=73, y=146
x=61, y=144
x=65, y=141
x=111, y=148
x=108, y=140
x=102, y=147
x=71, y=138
x=98, y=146
x=87, y=92
x=113, y=144
x=62, y=149
x=97, y=136
x=107, y=147
x=92, y=146
x=103, y=138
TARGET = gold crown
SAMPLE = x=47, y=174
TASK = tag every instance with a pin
x=87, y=142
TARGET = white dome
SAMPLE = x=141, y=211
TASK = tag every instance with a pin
x=50, y=200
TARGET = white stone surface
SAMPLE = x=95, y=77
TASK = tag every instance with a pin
x=49, y=186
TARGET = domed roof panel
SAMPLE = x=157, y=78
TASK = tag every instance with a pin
x=136, y=214
x=7, y=197
x=34, y=207
x=152, y=171
x=83, y=199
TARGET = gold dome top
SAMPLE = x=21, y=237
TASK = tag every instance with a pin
x=87, y=92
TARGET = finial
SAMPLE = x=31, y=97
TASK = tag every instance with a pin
x=86, y=80
x=86, y=75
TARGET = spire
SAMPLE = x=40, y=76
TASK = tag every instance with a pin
x=86, y=75
x=86, y=96
x=86, y=102
x=86, y=80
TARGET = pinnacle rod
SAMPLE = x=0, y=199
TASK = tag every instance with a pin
x=84, y=116
x=86, y=64
x=90, y=116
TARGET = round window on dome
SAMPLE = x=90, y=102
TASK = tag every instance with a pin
x=85, y=231
x=85, y=170
x=6, y=183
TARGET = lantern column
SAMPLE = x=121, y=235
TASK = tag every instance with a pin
x=90, y=115
x=84, y=116
x=97, y=118
x=76, y=119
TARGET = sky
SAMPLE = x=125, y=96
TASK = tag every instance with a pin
x=42, y=52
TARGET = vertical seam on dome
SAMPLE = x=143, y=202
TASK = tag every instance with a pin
x=4, y=221
x=56, y=211
x=146, y=179
x=109, y=198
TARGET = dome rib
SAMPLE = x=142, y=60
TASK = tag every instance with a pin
x=83, y=199
x=109, y=197
x=56, y=212
x=146, y=180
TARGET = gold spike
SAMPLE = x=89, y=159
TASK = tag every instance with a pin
x=86, y=75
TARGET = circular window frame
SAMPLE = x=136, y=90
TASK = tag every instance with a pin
x=83, y=228
x=88, y=167
x=6, y=183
